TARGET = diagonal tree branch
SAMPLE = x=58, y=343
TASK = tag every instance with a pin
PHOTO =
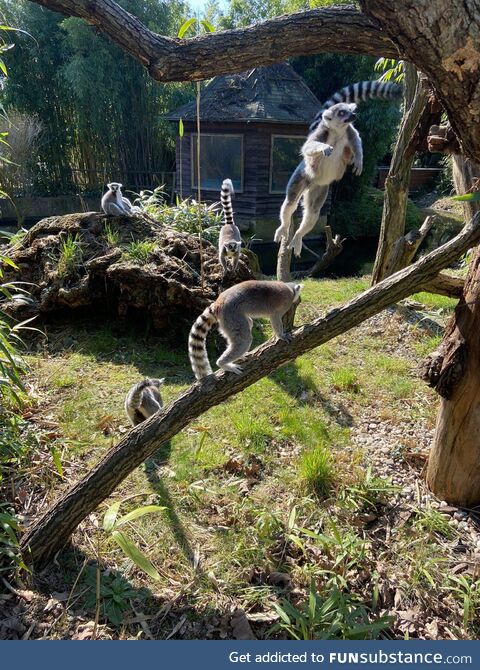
x=50, y=533
x=333, y=29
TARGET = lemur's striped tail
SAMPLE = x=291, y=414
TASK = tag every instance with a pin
x=226, y=200
x=197, y=349
x=360, y=92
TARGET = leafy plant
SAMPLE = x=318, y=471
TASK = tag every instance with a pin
x=392, y=69
x=112, y=596
x=184, y=215
x=139, y=250
x=112, y=524
x=10, y=556
x=369, y=492
x=338, y=615
x=70, y=256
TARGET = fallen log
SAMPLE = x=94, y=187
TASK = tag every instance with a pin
x=54, y=528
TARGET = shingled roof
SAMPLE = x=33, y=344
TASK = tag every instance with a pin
x=265, y=94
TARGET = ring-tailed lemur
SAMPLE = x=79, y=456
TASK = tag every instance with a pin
x=115, y=204
x=332, y=144
x=143, y=400
x=230, y=240
x=233, y=311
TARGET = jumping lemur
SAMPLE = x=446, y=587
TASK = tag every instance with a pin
x=233, y=311
x=143, y=400
x=115, y=204
x=230, y=240
x=333, y=143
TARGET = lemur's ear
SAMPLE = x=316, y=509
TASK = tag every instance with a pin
x=327, y=114
x=353, y=107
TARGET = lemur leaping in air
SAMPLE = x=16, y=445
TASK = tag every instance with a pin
x=332, y=144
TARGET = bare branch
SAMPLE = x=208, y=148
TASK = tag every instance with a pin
x=331, y=29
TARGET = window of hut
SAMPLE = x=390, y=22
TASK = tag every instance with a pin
x=221, y=157
x=284, y=158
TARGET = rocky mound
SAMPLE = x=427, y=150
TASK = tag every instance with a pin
x=119, y=265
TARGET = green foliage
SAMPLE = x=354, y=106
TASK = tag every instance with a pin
x=112, y=597
x=184, y=215
x=10, y=556
x=468, y=197
x=367, y=493
x=139, y=250
x=393, y=70
x=100, y=111
x=69, y=256
x=330, y=615
x=366, y=217
x=111, y=525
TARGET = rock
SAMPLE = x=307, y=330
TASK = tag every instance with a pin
x=162, y=281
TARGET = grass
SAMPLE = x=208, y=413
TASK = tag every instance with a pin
x=268, y=483
x=70, y=256
x=139, y=250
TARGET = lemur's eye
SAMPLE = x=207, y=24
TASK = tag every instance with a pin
x=341, y=113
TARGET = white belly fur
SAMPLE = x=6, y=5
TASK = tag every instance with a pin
x=323, y=170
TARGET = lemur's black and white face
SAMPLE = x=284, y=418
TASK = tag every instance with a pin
x=296, y=288
x=340, y=114
x=114, y=186
x=232, y=247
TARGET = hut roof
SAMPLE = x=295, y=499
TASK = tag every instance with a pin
x=265, y=94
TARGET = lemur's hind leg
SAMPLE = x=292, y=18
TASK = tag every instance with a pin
x=297, y=184
x=313, y=201
x=237, y=330
x=115, y=210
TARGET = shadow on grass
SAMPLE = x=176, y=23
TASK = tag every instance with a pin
x=159, y=458
x=302, y=387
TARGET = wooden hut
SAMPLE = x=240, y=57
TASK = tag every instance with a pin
x=252, y=126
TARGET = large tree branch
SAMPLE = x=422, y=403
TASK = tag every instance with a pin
x=332, y=29
x=54, y=528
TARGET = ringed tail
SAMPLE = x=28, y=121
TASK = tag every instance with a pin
x=197, y=349
x=226, y=200
x=360, y=92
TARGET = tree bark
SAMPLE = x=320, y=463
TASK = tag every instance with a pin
x=444, y=284
x=49, y=534
x=454, y=371
x=407, y=246
x=398, y=179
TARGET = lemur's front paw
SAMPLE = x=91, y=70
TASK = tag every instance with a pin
x=279, y=233
x=357, y=167
x=328, y=151
x=296, y=245
x=285, y=337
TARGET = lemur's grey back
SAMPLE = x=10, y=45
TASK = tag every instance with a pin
x=359, y=92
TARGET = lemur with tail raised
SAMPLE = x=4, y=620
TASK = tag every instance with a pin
x=234, y=311
x=332, y=144
x=143, y=400
x=230, y=240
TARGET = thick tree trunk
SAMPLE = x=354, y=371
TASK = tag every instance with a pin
x=398, y=178
x=453, y=472
x=53, y=529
